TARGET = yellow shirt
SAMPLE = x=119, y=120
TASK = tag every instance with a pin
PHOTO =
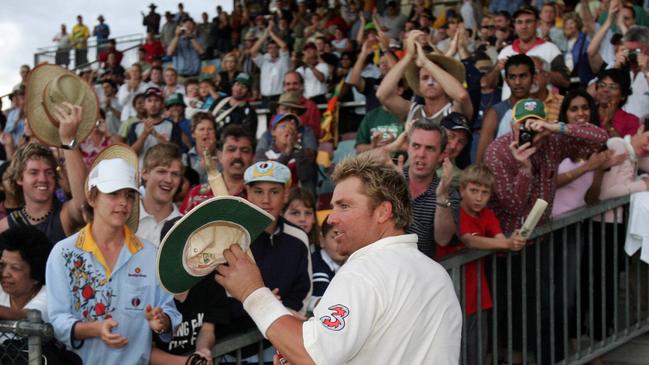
x=80, y=35
x=87, y=243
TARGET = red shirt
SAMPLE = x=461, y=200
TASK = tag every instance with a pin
x=311, y=116
x=153, y=50
x=624, y=123
x=485, y=225
x=199, y=194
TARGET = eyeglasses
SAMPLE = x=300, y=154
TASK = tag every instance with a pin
x=613, y=87
x=488, y=26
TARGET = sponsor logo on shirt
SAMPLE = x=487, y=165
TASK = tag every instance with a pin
x=137, y=273
x=336, y=320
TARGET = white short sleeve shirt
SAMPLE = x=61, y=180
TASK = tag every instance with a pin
x=388, y=304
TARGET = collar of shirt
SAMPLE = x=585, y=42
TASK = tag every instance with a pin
x=87, y=243
x=432, y=187
x=407, y=239
x=329, y=261
x=516, y=45
x=144, y=214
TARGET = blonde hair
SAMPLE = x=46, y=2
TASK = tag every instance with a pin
x=31, y=151
x=381, y=183
x=478, y=174
x=162, y=154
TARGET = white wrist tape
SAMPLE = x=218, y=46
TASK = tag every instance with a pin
x=264, y=308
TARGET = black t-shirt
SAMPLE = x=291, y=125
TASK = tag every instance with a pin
x=371, y=101
x=206, y=302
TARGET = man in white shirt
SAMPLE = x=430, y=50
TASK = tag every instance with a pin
x=372, y=311
x=526, y=21
x=273, y=65
x=133, y=86
x=162, y=173
x=635, y=50
x=315, y=74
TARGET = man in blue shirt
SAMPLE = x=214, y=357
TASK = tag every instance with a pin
x=186, y=49
x=101, y=31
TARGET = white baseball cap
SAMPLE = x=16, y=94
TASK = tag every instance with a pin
x=112, y=175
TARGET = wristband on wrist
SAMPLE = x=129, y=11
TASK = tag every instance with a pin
x=264, y=308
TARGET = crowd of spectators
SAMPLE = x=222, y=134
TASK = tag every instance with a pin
x=501, y=102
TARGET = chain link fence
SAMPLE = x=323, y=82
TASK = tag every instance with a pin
x=21, y=342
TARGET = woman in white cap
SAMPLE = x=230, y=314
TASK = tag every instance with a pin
x=105, y=300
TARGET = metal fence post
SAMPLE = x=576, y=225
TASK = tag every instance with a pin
x=34, y=341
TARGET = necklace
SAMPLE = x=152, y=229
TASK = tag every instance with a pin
x=12, y=301
x=39, y=219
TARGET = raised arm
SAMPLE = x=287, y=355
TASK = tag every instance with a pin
x=280, y=42
x=254, y=50
x=594, y=58
x=69, y=117
x=355, y=78
x=386, y=91
x=451, y=86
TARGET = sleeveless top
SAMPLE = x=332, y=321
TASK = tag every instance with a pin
x=504, y=117
x=417, y=111
x=51, y=226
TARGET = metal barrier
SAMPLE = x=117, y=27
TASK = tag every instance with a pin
x=21, y=342
x=569, y=297
x=48, y=54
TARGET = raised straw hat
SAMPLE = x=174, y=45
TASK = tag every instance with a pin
x=454, y=67
x=51, y=85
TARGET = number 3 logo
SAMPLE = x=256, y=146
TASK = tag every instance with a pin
x=335, y=321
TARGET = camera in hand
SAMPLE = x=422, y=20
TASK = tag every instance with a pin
x=632, y=56
x=525, y=135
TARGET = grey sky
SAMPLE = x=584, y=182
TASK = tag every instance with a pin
x=30, y=24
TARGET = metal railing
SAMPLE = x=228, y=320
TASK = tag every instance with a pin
x=569, y=297
x=21, y=342
x=124, y=42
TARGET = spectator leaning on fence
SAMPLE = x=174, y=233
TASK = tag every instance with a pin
x=104, y=300
x=526, y=171
x=24, y=255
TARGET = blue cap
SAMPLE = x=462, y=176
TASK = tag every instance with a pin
x=270, y=171
x=282, y=117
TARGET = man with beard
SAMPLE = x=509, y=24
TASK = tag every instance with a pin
x=236, y=109
x=519, y=74
x=154, y=128
x=235, y=154
x=162, y=173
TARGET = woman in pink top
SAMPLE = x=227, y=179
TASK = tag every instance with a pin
x=577, y=187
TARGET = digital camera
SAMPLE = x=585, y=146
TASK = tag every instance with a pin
x=525, y=135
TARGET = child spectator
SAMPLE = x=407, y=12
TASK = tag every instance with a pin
x=326, y=262
x=300, y=210
x=479, y=229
